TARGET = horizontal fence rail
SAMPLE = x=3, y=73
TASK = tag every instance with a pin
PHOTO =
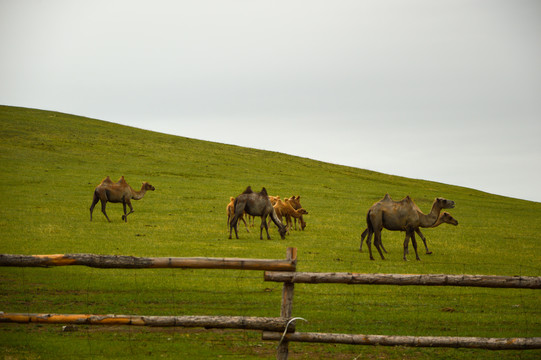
x=214, y=322
x=274, y=328
x=132, y=262
x=522, y=282
x=411, y=341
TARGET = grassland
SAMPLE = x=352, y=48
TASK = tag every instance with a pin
x=51, y=162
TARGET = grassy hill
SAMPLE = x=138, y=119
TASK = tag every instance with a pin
x=50, y=163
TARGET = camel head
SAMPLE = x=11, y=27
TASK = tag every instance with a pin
x=282, y=230
x=444, y=203
x=147, y=186
x=274, y=199
x=302, y=211
x=448, y=219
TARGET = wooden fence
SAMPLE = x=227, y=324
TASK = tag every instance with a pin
x=281, y=329
x=523, y=282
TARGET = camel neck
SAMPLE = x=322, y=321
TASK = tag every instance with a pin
x=438, y=222
x=430, y=219
x=138, y=195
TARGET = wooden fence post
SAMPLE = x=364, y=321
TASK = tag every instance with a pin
x=287, y=305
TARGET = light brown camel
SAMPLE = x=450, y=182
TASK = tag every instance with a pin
x=284, y=209
x=119, y=192
x=295, y=202
x=402, y=215
x=444, y=218
x=256, y=204
x=230, y=210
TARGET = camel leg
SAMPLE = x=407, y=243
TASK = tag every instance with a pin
x=406, y=241
x=414, y=242
x=245, y=225
x=264, y=225
x=410, y=234
x=377, y=243
x=369, y=244
x=418, y=231
x=363, y=235
x=95, y=200
x=239, y=211
x=289, y=223
x=242, y=218
x=103, y=202
x=233, y=225
x=125, y=216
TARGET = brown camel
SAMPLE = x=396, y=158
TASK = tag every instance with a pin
x=444, y=218
x=284, y=209
x=230, y=210
x=402, y=215
x=295, y=202
x=119, y=192
x=256, y=204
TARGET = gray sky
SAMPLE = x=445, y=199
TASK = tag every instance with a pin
x=445, y=90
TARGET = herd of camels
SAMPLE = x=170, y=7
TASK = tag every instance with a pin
x=388, y=214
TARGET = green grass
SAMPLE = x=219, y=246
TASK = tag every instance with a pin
x=51, y=162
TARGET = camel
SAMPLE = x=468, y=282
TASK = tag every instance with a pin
x=256, y=204
x=119, y=192
x=295, y=202
x=230, y=210
x=284, y=209
x=444, y=218
x=402, y=215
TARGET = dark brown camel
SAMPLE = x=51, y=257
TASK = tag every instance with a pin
x=402, y=215
x=256, y=204
x=444, y=218
x=119, y=192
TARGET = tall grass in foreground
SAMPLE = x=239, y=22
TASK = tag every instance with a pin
x=51, y=162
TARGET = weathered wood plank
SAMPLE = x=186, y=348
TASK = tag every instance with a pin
x=526, y=282
x=286, y=309
x=411, y=341
x=132, y=262
x=218, y=322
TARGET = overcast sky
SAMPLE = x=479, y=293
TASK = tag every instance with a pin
x=445, y=90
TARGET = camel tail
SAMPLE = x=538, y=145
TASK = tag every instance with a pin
x=369, y=225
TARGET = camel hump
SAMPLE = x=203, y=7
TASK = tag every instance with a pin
x=264, y=192
x=407, y=200
x=248, y=190
x=107, y=180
